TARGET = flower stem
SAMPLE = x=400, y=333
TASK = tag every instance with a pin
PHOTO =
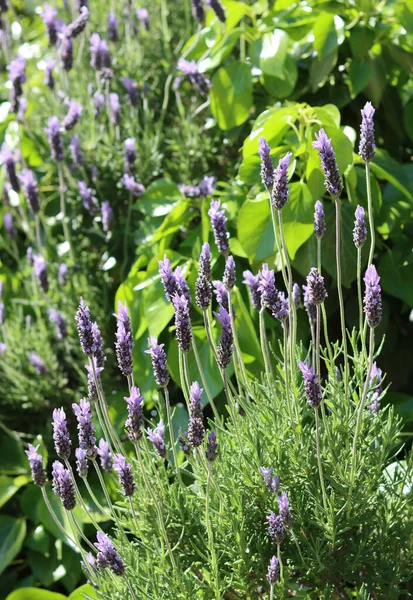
x=66, y=229
x=95, y=500
x=290, y=294
x=79, y=530
x=172, y=437
x=211, y=536
x=280, y=564
x=80, y=497
x=55, y=518
x=371, y=218
x=129, y=587
x=236, y=343
x=126, y=235
x=264, y=347
x=274, y=226
x=363, y=341
x=323, y=308
x=204, y=381
x=320, y=468
x=340, y=294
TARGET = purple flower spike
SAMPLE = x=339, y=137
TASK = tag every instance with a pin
x=333, y=181
x=131, y=88
x=130, y=151
x=267, y=166
x=280, y=191
x=219, y=226
x=273, y=572
x=218, y=9
x=190, y=70
x=98, y=353
x=40, y=270
x=57, y=469
x=76, y=27
x=82, y=466
x=112, y=27
x=7, y=158
x=253, y=283
x=36, y=466
x=203, y=288
x=85, y=427
x=316, y=290
x=159, y=365
x=309, y=306
x=284, y=509
x=211, y=451
x=105, y=455
x=55, y=138
x=360, y=229
x=49, y=15
x=61, y=437
x=376, y=377
x=229, y=277
x=37, y=363
x=182, y=322
x=84, y=328
x=184, y=443
x=48, y=74
x=367, y=145
x=270, y=297
x=312, y=387
x=107, y=556
x=226, y=343
x=56, y=317
x=130, y=183
x=296, y=295
x=221, y=293
x=182, y=286
x=67, y=53
x=91, y=386
x=17, y=76
x=284, y=307
x=89, y=201
x=157, y=437
x=114, y=108
x=73, y=115
x=62, y=277
x=66, y=489
x=276, y=528
x=319, y=220
x=124, y=471
x=9, y=226
x=143, y=17
x=196, y=430
x=271, y=481
x=198, y=11
x=31, y=192
x=134, y=421
x=372, y=297
x=76, y=151
x=99, y=102
x=124, y=341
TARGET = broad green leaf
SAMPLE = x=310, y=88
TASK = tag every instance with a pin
x=359, y=75
x=385, y=167
x=220, y=51
x=361, y=40
x=12, y=457
x=231, y=95
x=325, y=35
x=83, y=589
x=273, y=53
x=328, y=115
x=408, y=119
x=234, y=13
x=378, y=82
x=247, y=332
x=34, y=594
x=12, y=532
x=298, y=217
x=320, y=70
x=255, y=229
x=403, y=403
x=159, y=198
x=157, y=310
x=282, y=87
x=396, y=272
x=273, y=124
x=10, y=485
x=38, y=540
x=43, y=566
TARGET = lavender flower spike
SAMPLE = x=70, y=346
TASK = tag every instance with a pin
x=219, y=226
x=124, y=471
x=198, y=11
x=211, y=451
x=76, y=27
x=130, y=183
x=105, y=455
x=112, y=27
x=360, y=229
x=309, y=306
x=57, y=469
x=218, y=9
x=37, y=363
x=61, y=437
x=66, y=489
x=56, y=317
x=184, y=443
x=157, y=437
x=9, y=225
x=76, y=151
x=273, y=571
x=158, y=355
x=124, y=341
x=31, y=192
x=182, y=322
x=7, y=158
x=114, y=108
x=85, y=427
x=62, y=276
x=131, y=88
x=276, y=528
x=372, y=297
x=253, y=283
x=221, y=293
x=130, y=151
x=296, y=295
x=134, y=421
x=108, y=216
x=226, y=344
x=49, y=15
x=319, y=220
x=312, y=388
x=229, y=273
x=167, y=277
x=48, y=74
x=36, y=466
x=270, y=297
x=73, y=115
x=267, y=166
x=84, y=328
x=203, y=288
x=55, y=138
x=89, y=201
x=280, y=191
x=284, y=509
x=82, y=466
x=196, y=430
x=40, y=270
x=316, y=290
x=367, y=145
x=67, y=53
x=182, y=284
x=271, y=482
x=107, y=555
x=333, y=181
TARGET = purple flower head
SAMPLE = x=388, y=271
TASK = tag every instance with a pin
x=2, y=313
x=89, y=201
x=226, y=343
x=99, y=102
x=48, y=73
x=376, y=377
x=267, y=166
x=143, y=17
x=372, y=297
x=253, y=283
x=124, y=471
x=182, y=322
x=49, y=15
x=167, y=277
x=62, y=276
x=206, y=186
x=198, y=11
x=333, y=181
x=82, y=466
x=203, y=288
x=114, y=108
x=316, y=290
x=280, y=191
x=219, y=226
x=98, y=343
x=184, y=443
x=57, y=469
x=131, y=88
x=108, y=217
x=284, y=307
x=40, y=270
x=107, y=555
x=229, y=277
x=312, y=387
x=7, y=158
x=296, y=295
x=61, y=437
x=134, y=422
x=221, y=294
x=196, y=430
x=190, y=191
x=309, y=306
x=190, y=70
x=211, y=451
x=90, y=560
x=99, y=52
x=271, y=481
x=56, y=317
x=4, y=6
x=84, y=328
x=182, y=286
x=124, y=341
x=319, y=220
x=276, y=528
x=360, y=229
x=3, y=348
x=76, y=27
x=67, y=53
x=218, y=9
x=367, y=145
x=157, y=437
x=205, y=261
x=17, y=76
x=85, y=427
x=112, y=27
x=273, y=572
x=36, y=466
x=8, y=225
x=270, y=296
x=31, y=192
x=66, y=489
x=284, y=509
x=105, y=456
x=159, y=365
x=91, y=385
x=130, y=151
x=135, y=188
x=55, y=138
x=73, y=115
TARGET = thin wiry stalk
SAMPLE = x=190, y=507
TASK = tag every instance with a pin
x=320, y=467
x=323, y=308
x=204, y=380
x=371, y=217
x=79, y=496
x=363, y=341
x=290, y=295
x=182, y=377
x=264, y=348
x=340, y=293
x=210, y=532
x=55, y=518
x=66, y=229
x=236, y=343
x=95, y=500
x=79, y=530
x=172, y=437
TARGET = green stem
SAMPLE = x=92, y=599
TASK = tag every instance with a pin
x=95, y=500
x=340, y=294
x=320, y=468
x=290, y=294
x=66, y=229
x=236, y=343
x=363, y=341
x=129, y=587
x=274, y=226
x=182, y=377
x=172, y=437
x=79, y=530
x=317, y=342
x=80, y=497
x=207, y=323
x=204, y=381
x=280, y=564
x=371, y=218
x=323, y=308
x=126, y=235
x=211, y=536
x=54, y=517
x=264, y=347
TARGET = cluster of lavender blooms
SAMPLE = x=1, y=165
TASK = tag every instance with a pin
x=204, y=189
x=198, y=10
x=190, y=71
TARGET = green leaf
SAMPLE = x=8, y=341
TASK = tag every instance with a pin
x=220, y=51
x=42, y=566
x=396, y=272
x=359, y=75
x=12, y=532
x=403, y=404
x=408, y=119
x=282, y=87
x=328, y=114
x=325, y=35
x=274, y=48
x=159, y=198
x=157, y=310
x=9, y=486
x=390, y=170
x=273, y=124
x=255, y=229
x=38, y=540
x=320, y=70
x=361, y=40
x=231, y=95
x=12, y=457
x=34, y=594
x=298, y=217
x=83, y=589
